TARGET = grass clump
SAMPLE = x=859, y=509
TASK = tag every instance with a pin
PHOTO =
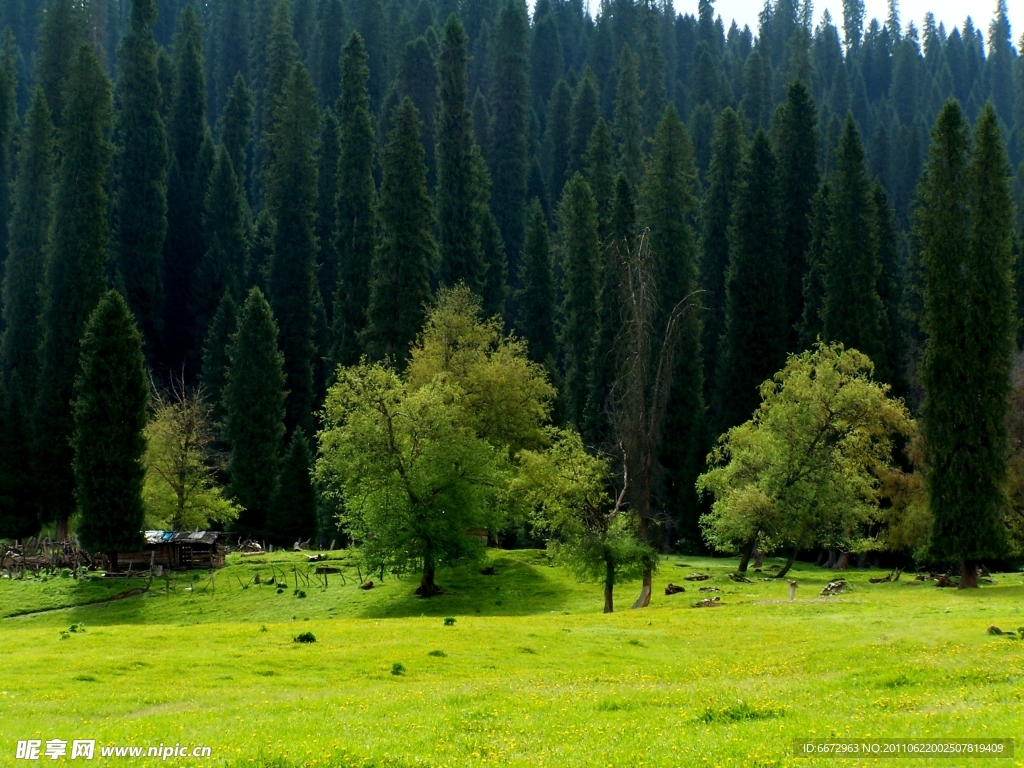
x=397, y=669
x=305, y=637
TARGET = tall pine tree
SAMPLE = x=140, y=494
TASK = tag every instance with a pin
x=536, y=299
x=629, y=130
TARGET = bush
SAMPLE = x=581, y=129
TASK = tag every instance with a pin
x=397, y=669
x=439, y=654
x=306, y=637
x=449, y=621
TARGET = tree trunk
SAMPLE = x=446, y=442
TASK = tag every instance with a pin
x=645, y=591
x=822, y=554
x=968, y=575
x=747, y=552
x=609, y=584
x=788, y=565
x=842, y=562
x=112, y=558
x=862, y=560
x=831, y=559
x=758, y=558
x=62, y=528
x=427, y=586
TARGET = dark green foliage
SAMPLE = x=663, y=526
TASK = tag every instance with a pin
x=356, y=202
x=61, y=31
x=494, y=289
x=510, y=104
x=235, y=126
x=580, y=251
x=400, y=276
x=716, y=215
x=328, y=154
x=546, y=63
x=556, y=138
x=754, y=343
x=536, y=297
x=231, y=48
x=329, y=41
x=891, y=365
x=214, y=373
x=852, y=313
x=226, y=233
x=18, y=504
x=291, y=199
x=73, y=281
x=600, y=171
x=417, y=79
x=756, y=104
x=811, y=326
x=111, y=399
x=8, y=122
x=965, y=227
x=254, y=404
x=667, y=203
x=629, y=132
x=586, y=108
x=294, y=513
x=140, y=172
x=460, y=257
x=796, y=140
x=191, y=160
x=29, y=237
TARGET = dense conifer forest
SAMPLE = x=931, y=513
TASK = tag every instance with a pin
x=277, y=188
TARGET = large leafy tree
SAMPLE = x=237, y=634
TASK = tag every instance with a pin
x=74, y=280
x=254, y=398
x=804, y=470
x=111, y=396
x=140, y=173
x=400, y=275
x=965, y=227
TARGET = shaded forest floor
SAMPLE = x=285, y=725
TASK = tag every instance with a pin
x=531, y=673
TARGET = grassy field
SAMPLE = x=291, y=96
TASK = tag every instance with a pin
x=530, y=673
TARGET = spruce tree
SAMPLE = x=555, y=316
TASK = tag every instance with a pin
x=586, y=108
x=254, y=398
x=29, y=238
x=556, y=140
x=18, y=503
x=494, y=286
x=187, y=182
x=214, y=373
x=965, y=227
x=546, y=57
x=330, y=39
x=400, y=276
x=226, y=233
x=667, y=203
x=231, y=45
x=890, y=366
x=716, y=215
x=536, y=297
x=293, y=517
x=357, y=228
x=235, y=127
x=811, y=325
x=629, y=131
x=61, y=32
x=754, y=343
x=110, y=412
x=140, y=174
x=796, y=141
x=8, y=122
x=600, y=171
x=74, y=279
x=291, y=192
x=417, y=79
x=852, y=311
x=580, y=251
x=510, y=104
x=460, y=257
x=328, y=155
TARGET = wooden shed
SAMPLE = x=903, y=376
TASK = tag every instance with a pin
x=177, y=550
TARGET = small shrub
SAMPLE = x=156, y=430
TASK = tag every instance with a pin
x=79, y=627
x=449, y=621
x=439, y=654
x=300, y=593
x=397, y=669
x=64, y=635
x=263, y=628
x=306, y=637
x=737, y=712
x=65, y=573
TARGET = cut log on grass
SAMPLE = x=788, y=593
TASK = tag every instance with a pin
x=945, y=581
x=697, y=577
x=674, y=589
x=740, y=579
x=327, y=569
x=834, y=587
x=366, y=585
x=708, y=602
x=892, y=576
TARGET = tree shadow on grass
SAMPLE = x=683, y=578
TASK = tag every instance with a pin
x=520, y=585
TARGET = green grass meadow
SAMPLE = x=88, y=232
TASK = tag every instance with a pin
x=531, y=673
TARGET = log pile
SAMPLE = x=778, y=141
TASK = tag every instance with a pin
x=893, y=576
x=834, y=588
x=697, y=577
x=674, y=589
x=739, y=578
x=708, y=602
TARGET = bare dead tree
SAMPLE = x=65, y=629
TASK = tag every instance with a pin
x=640, y=394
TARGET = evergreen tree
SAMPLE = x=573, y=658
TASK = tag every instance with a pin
x=254, y=398
x=328, y=156
x=294, y=513
x=235, y=126
x=356, y=201
x=18, y=503
x=291, y=188
x=852, y=311
x=140, y=173
x=890, y=366
x=400, y=276
x=231, y=45
x=417, y=79
x=796, y=141
x=586, y=108
x=667, y=203
x=716, y=216
x=965, y=227
x=811, y=326
x=754, y=343
x=214, y=373
x=580, y=251
x=191, y=160
x=226, y=233
x=73, y=280
x=460, y=259
x=546, y=64
x=510, y=104
x=629, y=132
x=61, y=31
x=556, y=140
x=494, y=289
x=29, y=237
x=330, y=39
x=8, y=122
x=110, y=412
x=601, y=175
x=536, y=298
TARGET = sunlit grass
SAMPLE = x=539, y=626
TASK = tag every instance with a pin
x=531, y=673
